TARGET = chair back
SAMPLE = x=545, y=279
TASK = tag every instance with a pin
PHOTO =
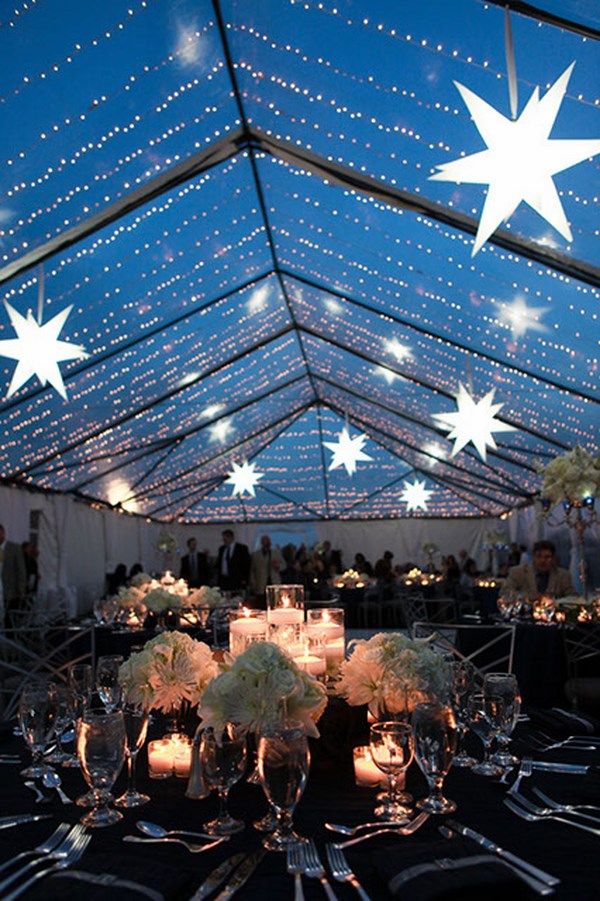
x=582, y=647
x=416, y=609
x=488, y=649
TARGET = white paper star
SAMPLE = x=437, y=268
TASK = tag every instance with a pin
x=220, y=430
x=415, y=495
x=473, y=421
x=347, y=451
x=520, y=160
x=398, y=350
x=386, y=373
x=243, y=478
x=520, y=318
x=211, y=411
x=38, y=350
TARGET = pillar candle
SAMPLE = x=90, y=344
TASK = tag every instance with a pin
x=312, y=664
x=160, y=758
x=182, y=756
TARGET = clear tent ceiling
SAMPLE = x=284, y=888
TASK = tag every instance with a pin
x=235, y=200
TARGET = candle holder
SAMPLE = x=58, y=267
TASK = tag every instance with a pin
x=313, y=659
x=245, y=627
x=160, y=758
x=328, y=624
x=284, y=597
x=290, y=636
x=366, y=773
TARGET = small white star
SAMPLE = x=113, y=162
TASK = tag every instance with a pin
x=415, y=495
x=220, y=431
x=258, y=299
x=347, y=451
x=38, y=350
x=243, y=478
x=519, y=161
x=333, y=306
x=520, y=318
x=473, y=421
x=398, y=350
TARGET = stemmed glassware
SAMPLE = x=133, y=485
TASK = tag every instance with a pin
x=65, y=706
x=37, y=721
x=223, y=759
x=485, y=717
x=461, y=685
x=283, y=765
x=435, y=736
x=136, y=729
x=107, y=681
x=101, y=743
x=391, y=746
x=505, y=687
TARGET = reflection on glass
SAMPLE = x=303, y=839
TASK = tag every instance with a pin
x=462, y=684
x=37, y=721
x=136, y=729
x=223, y=759
x=391, y=746
x=107, y=681
x=482, y=721
x=505, y=687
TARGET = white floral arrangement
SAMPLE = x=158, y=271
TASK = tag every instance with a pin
x=169, y=669
x=166, y=544
x=573, y=476
x=351, y=579
x=494, y=538
x=159, y=599
x=206, y=596
x=132, y=598
x=429, y=548
x=260, y=685
x=392, y=672
x=141, y=580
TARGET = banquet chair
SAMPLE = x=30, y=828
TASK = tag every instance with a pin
x=582, y=651
x=488, y=648
x=370, y=609
x=416, y=608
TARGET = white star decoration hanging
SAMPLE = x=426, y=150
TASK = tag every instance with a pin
x=347, y=451
x=220, y=431
x=473, y=421
x=415, y=495
x=520, y=318
x=520, y=160
x=243, y=478
x=38, y=350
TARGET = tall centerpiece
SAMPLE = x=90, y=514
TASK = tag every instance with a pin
x=572, y=480
x=392, y=674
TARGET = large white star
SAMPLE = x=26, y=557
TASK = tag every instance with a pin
x=520, y=318
x=347, y=451
x=415, y=495
x=473, y=421
x=520, y=160
x=243, y=478
x=38, y=350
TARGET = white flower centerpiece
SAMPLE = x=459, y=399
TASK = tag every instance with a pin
x=573, y=477
x=159, y=599
x=170, y=672
x=391, y=674
x=206, y=596
x=260, y=688
x=351, y=579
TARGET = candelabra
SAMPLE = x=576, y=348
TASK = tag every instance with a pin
x=578, y=515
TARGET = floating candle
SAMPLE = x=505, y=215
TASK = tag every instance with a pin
x=160, y=758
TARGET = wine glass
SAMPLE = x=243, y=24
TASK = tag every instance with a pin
x=101, y=744
x=481, y=716
x=223, y=758
x=434, y=731
x=283, y=764
x=107, y=681
x=391, y=747
x=65, y=707
x=505, y=687
x=37, y=721
x=136, y=729
x=462, y=683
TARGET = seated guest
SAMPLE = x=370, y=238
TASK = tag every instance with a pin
x=135, y=570
x=361, y=565
x=542, y=576
x=194, y=566
x=383, y=567
x=467, y=580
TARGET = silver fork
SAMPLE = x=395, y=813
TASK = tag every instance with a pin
x=525, y=770
x=44, y=847
x=353, y=830
x=60, y=851
x=573, y=743
x=341, y=870
x=74, y=854
x=314, y=869
x=295, y=866
x=401, y=830
x=526, y=812
x=557, y=806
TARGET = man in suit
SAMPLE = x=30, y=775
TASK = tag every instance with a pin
x=13, y=578
x=542, y=576
x=233, y=563
x=194, y=566
x=265, y=566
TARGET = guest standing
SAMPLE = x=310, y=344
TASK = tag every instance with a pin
x=13, y=580
x=233, y=563
x=194, y=566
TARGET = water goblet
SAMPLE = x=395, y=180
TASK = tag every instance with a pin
x=481, y=715
x=434, y=731
x=391, y=747
x=37, y=721
x=80, y=681
x=223, y=759
x=107, y=681
x=101, y=744
x=283, y=764
x=136, y=729
x=505, y=687
x=65, y=707
x=462, y=683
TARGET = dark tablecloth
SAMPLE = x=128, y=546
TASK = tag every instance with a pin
x=330, y=795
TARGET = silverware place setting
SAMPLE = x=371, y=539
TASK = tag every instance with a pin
x=64, y=847
x=525, y=809
x=354, y=830
x=192, y=848
x=411, y=827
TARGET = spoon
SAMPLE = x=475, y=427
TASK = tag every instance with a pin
x=156, y=831
x=50, y=779
x=195, y=849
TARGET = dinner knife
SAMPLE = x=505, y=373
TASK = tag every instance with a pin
x=218, y=875
x=489, y=845
x=573, y=768
x=241, y=875
x=8, y=822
